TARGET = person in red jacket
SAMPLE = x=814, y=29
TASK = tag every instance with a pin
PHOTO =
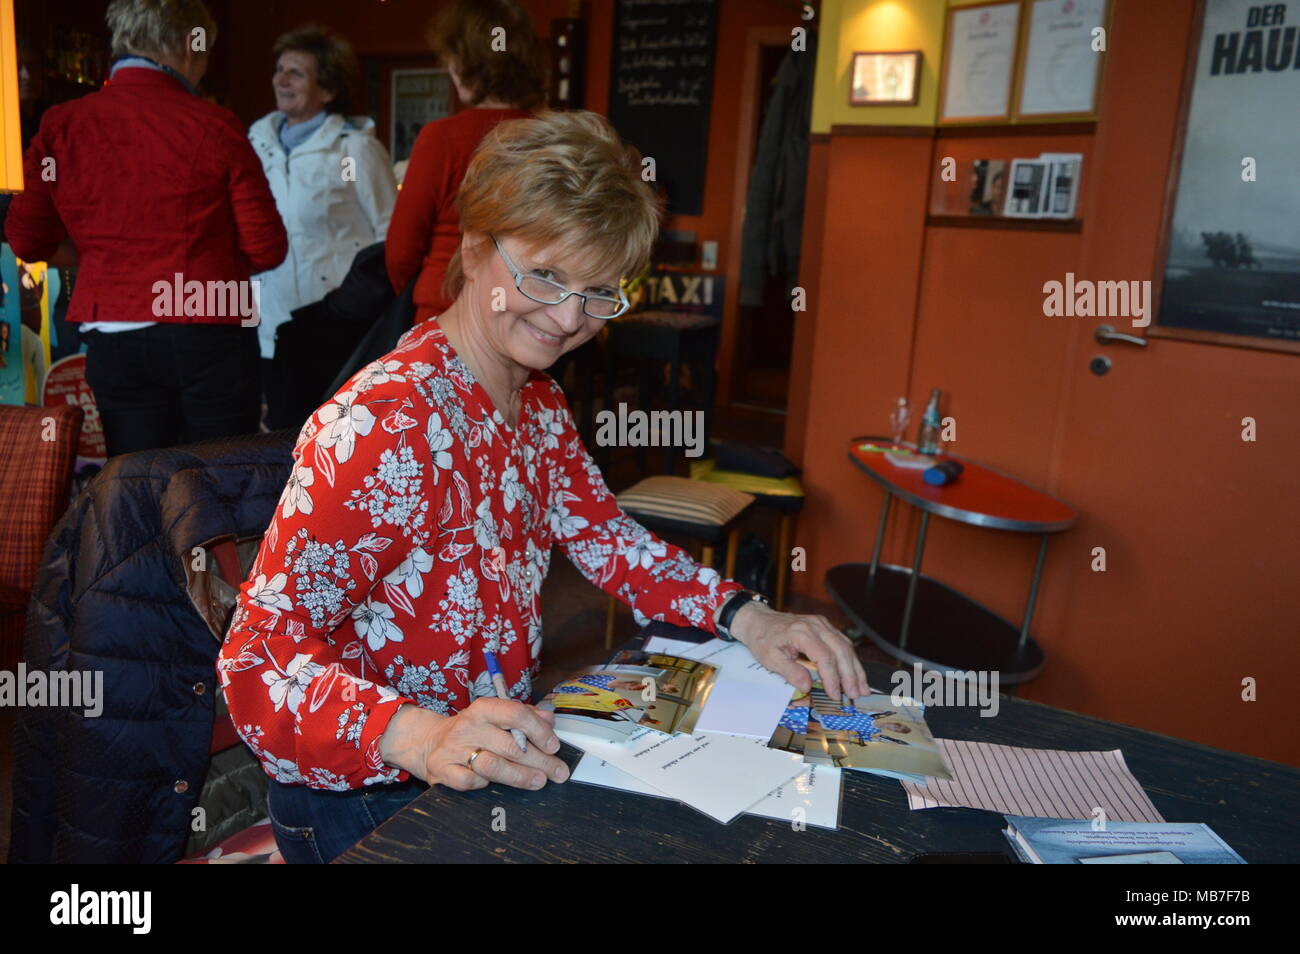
x=423, y=502
x=499, y=85
x=159, y=198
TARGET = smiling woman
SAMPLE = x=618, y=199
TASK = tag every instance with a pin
x=416, y=528
x=331, y=178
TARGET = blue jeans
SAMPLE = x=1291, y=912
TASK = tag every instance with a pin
x=313, y=826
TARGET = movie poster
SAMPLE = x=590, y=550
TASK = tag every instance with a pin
x=1233, y=264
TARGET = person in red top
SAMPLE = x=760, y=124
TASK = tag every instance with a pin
x=160, y=199
x=416, y=526
x=499, y=85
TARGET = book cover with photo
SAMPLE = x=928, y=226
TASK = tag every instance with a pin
x=1027, y=192
x=874, y=734
x=1055, y=841
x=1065, y=171
x=635, y=690
x=988, y=186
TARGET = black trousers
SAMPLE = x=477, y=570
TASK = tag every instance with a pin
x=174, y=383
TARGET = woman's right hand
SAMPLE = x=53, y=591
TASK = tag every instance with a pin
x=437, y=748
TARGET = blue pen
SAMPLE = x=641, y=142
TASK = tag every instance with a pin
x=499, y=683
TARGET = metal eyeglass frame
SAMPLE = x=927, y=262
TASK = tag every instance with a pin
x=520, y=276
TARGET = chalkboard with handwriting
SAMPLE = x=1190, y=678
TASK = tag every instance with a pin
x=660, y=86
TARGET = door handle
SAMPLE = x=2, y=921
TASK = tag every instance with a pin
x=1107, y=333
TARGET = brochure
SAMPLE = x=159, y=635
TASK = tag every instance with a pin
x=1056, y=841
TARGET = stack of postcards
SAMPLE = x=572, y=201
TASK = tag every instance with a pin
x=708, y=726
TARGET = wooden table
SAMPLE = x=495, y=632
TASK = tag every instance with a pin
x=917, y=619
x=1252, y=804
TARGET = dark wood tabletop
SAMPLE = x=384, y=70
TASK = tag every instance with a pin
x=1250, y=803
x=981, y=496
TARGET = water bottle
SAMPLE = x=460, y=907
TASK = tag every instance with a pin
x=928, y=441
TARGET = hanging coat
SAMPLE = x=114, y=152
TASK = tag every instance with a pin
x=773, y=228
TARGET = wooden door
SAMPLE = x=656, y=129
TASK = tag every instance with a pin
x=1200, y=528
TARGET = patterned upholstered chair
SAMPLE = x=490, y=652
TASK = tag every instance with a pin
x=38, y=448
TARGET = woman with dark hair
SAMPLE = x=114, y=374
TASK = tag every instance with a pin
x=502, y=76
x=331, y=178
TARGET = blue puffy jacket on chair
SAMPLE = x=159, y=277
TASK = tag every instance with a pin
x=112, y=597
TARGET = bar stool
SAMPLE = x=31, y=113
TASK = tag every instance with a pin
x=708, y=513
x=785, y=495
x=654, y=339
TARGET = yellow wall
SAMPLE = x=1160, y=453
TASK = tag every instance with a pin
x=848, y=26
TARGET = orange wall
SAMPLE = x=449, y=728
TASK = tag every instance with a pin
x=901, y=307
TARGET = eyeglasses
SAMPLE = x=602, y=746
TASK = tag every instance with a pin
x=546, y=292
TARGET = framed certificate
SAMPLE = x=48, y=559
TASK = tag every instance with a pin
x=979, y=63
x=1063, y=54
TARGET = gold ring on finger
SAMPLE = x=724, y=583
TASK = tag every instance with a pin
x=469, y=763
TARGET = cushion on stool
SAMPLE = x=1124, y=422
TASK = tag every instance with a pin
x=785, y=494
x=683, y=505
x=747, y=459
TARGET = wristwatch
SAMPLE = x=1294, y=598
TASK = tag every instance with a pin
x=729, y=610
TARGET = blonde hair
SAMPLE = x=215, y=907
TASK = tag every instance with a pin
x=563, y=178
x=151, y=27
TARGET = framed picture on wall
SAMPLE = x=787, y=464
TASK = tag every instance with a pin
x=402, y=93
x=979, y=63
x=418, y=96
x=885, y=79
x=1230, y=246
x=1063, y=56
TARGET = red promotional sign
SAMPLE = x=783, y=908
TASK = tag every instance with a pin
x=66, y=384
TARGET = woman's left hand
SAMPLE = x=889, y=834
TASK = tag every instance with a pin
x=778, y=639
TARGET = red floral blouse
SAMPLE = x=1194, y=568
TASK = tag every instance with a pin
x=413, y=534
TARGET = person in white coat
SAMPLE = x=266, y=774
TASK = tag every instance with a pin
x=332, y=179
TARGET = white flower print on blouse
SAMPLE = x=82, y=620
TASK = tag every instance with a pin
x=410, y=572
x=485, y=528
x=393, y=495
x=373, y=622
x=552, y=429
x=337, y=593
x=645, y=551
x=378, y=372
x=269, y=594
x=289, y=686
x=439, y=439
x=296, y=498
x=564, y=523
x=512, y=491
x=344, y=419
